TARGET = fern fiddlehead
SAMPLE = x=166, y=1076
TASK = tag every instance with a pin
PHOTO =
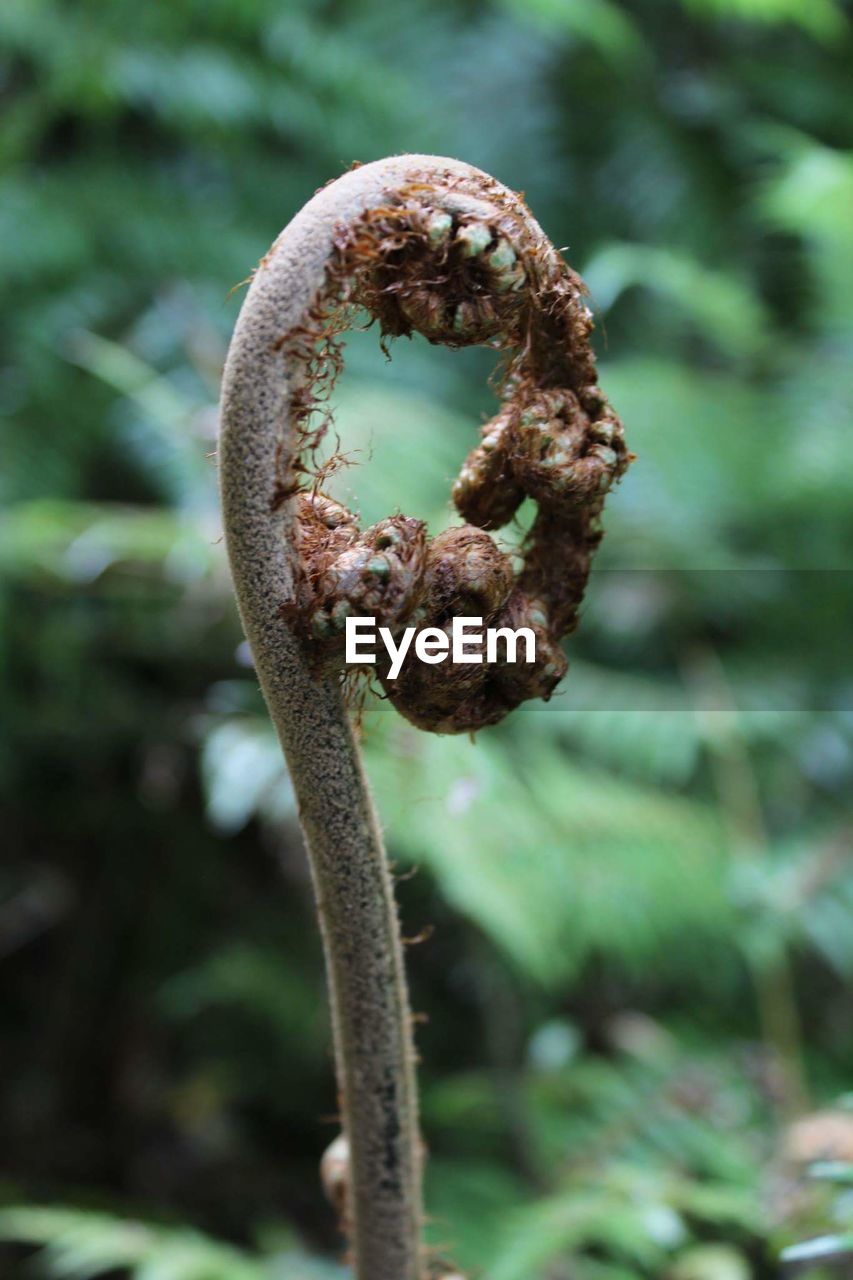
x=427, y=245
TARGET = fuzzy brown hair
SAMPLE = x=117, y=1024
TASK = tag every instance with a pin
x=462, y=263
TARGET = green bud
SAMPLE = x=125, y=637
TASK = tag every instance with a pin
x=340, y=613
x=502, y=256
x=378, y=566
x=321, y=626
x=510, y=280
x=473, y=239
x=438, y=226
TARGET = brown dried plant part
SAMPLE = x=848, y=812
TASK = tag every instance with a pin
x=347, y=573
x=463, y=263
x=422, y=245
x=335, y=1177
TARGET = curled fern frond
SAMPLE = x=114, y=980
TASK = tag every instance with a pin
x=460, y=260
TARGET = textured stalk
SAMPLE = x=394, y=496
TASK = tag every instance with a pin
x=370, y=1011
x=429, y=245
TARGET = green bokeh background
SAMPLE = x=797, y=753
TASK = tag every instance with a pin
x=637, y=988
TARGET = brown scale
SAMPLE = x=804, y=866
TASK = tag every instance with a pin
x=460, y=280
x=344, y=572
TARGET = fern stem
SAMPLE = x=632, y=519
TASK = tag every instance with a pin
x=369, y=1001
x=503, y=284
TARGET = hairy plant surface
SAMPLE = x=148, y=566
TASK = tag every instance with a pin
x=165, y=1048
x=459, y=259
x=429, y=245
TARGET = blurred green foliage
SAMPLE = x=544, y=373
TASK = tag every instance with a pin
x=641, y=893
